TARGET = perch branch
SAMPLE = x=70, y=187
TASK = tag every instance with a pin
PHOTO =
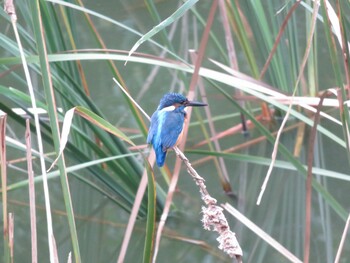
x=213, y=217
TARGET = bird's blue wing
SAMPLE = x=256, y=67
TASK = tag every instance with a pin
x=153, y=128
x=163, y=133
x=172, y=127
x=154, y=137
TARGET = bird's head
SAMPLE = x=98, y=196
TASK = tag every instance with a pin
x=172, y=101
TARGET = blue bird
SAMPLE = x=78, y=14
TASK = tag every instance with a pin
x=167, y=124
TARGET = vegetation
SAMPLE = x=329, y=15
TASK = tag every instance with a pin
x=276, y=132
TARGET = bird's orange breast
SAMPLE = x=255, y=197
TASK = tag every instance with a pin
x=179, y=139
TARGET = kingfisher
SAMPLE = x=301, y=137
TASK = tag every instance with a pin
x=167, y=124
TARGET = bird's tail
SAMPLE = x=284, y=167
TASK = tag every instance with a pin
x=160, y=156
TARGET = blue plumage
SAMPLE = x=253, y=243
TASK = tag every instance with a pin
x=167, y=124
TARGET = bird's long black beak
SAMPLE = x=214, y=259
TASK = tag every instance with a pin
x=196, y=104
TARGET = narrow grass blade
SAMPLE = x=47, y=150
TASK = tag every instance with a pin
x=115, y=71
x=98, y=121
x=131, y=99
x=31, y=187
x=91, y=117
x=37, y=125
x=6, y=256
x=125, y=199
x=49, y=95
x=112, y=21
x=242, y=31
x=151, y=216
x=152, y=9
x=266, y=162
x=234, y=82
x=342, y=241
x=176, y=15
x=260, y=233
